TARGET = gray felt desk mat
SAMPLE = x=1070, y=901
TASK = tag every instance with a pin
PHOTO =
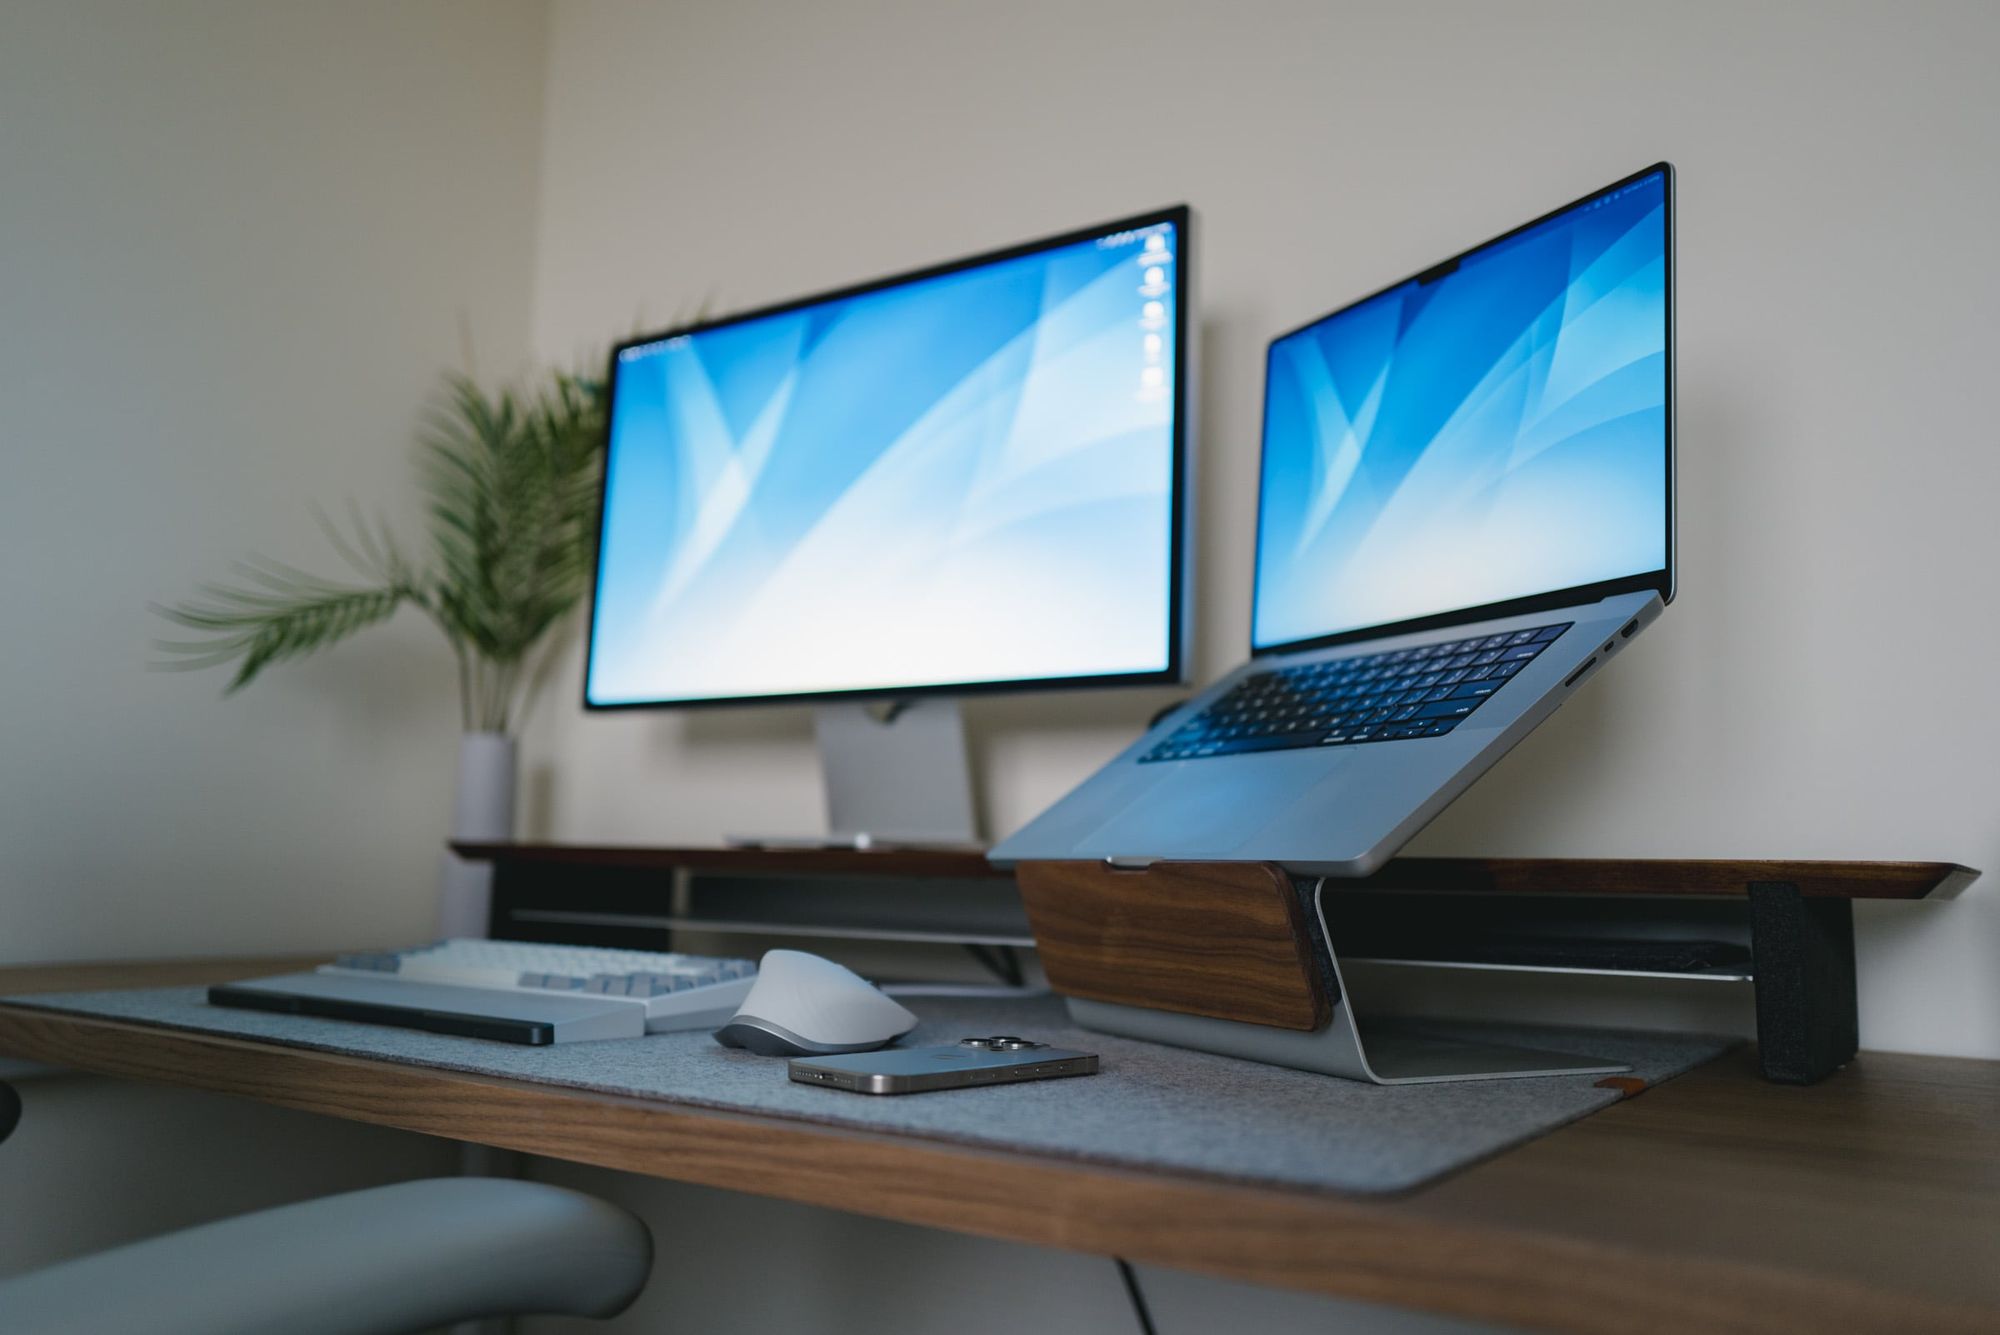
x=1150, y=1107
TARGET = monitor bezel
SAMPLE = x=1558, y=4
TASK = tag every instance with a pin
x=1179, y=544
x=1661, y=581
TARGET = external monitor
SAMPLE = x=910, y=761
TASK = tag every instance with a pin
x=966, y=479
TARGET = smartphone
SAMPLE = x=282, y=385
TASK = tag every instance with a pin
x=1000, y=1059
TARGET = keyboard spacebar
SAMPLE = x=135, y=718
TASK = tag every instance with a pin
x=1283, y=741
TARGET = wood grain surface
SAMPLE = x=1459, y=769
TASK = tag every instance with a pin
x=940, y=864
x=1224, y=939
x=1509, y=876
x=18, y=980
x=1666, y=876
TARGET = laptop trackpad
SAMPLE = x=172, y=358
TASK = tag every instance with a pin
x=1204, y=811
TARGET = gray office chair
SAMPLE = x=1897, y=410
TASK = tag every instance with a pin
x=385, y=1261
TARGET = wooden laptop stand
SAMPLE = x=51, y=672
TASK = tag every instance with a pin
x=1244, y=959
x=1233, y=958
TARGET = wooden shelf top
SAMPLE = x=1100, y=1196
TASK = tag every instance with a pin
x=1505, y=876
x=1669, y=876
x=954, y=864
x=1717, y=1202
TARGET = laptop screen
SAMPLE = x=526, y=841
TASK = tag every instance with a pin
x=1492, y=430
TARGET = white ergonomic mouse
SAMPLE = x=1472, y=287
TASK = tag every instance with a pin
x=804, y=1006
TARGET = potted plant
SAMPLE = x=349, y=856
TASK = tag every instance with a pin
x=510, y=482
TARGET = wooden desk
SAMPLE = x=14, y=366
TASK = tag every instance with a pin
x=1716, y=1203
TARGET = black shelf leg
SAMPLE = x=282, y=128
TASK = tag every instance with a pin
x=1808, y=1026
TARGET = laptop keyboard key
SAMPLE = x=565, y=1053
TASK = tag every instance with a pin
x=1447, y=709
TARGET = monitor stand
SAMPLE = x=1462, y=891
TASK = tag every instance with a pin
x=896, y=777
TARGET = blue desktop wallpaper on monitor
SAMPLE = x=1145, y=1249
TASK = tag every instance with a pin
x=1493, y=434
x=966, y=478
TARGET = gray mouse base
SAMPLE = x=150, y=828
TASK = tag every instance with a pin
x=774, y=1040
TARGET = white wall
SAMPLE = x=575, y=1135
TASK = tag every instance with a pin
x=1819, y=690
x=234, y=240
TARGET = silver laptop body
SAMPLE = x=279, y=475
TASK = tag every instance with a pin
x=1340, y=787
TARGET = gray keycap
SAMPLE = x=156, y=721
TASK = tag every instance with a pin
x=369, y=959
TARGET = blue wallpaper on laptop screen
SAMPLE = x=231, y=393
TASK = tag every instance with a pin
x=961, y=479
x=1493, y=434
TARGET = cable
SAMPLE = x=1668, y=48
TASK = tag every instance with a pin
x=1132, y=1290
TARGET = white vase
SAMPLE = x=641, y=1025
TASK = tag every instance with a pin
x=483, y=813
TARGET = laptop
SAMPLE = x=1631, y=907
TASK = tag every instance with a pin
x=1465, y=512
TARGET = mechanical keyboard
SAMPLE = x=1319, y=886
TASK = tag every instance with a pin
x=516, y=991
x=1421, y=692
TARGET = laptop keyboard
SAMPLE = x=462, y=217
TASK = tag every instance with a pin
x=1422, y=692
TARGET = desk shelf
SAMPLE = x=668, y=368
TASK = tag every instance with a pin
x=1786, y=926
x=619, y=896
x=857, y=930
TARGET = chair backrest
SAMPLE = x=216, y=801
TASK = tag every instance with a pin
x=408, y=1257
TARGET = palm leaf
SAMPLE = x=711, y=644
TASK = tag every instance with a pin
x=280, y=614
x=510, y=485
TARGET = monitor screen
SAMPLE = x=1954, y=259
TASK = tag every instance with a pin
x=1495, y=429
x=960, y=479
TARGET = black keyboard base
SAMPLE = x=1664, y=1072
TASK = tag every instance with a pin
x=534, y=1033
